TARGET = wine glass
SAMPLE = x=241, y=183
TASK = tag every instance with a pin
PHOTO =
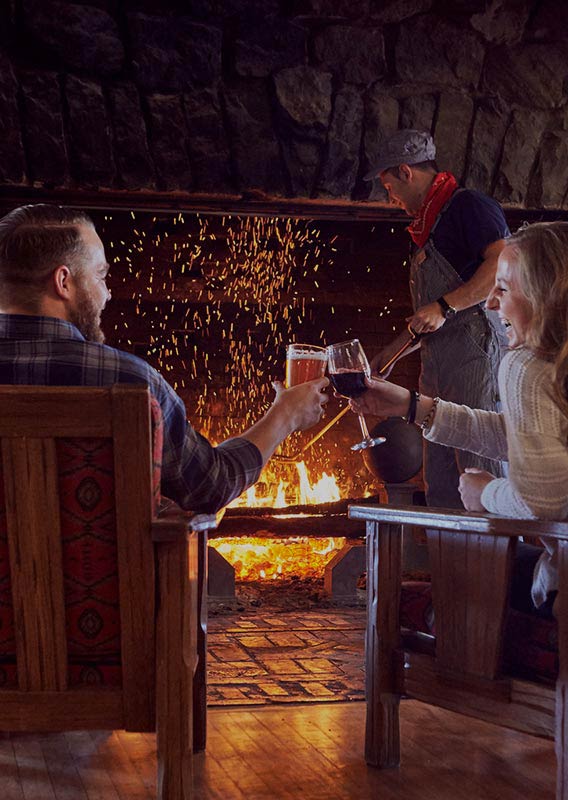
x=348, y=367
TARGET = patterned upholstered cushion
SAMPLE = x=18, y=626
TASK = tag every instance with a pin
x=88, y=529
x=531, y=642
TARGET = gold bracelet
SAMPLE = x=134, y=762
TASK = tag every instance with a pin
x=429, y=418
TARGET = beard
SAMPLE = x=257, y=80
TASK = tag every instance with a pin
x=86, y=316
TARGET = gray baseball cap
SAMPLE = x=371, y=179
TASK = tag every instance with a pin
x=407, y=146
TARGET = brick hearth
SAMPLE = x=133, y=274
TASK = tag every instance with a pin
x=286, y=657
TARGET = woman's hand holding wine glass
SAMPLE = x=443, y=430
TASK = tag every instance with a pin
x=348, y=368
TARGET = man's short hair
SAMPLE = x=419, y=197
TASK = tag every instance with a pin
x=34, y=240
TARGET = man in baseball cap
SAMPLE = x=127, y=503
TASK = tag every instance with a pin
x=457, y=236
x=405, y=147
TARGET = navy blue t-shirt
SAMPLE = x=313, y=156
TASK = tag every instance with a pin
x=471, y=222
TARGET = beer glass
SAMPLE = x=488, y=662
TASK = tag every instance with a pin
x=348, y=367
x=304, y=362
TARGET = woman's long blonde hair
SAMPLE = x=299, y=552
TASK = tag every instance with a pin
x=543, y=279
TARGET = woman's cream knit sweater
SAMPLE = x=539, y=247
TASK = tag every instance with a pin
x=532, y=435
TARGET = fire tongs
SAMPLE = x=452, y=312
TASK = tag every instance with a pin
x=413, y=339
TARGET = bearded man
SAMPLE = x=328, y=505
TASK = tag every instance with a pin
x=53, y=272
x=457, y=235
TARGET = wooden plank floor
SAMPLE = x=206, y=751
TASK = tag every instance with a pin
x=308, y=752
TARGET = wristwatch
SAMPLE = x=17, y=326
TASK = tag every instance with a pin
x=447, y=310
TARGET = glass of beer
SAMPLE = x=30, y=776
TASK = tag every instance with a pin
x=304, y=362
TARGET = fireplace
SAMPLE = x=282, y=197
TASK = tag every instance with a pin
x=211, y=301
x=270, y=532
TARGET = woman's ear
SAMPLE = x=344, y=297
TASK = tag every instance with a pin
x=61, y=281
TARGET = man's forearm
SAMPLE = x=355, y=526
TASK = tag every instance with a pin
x=476, y=289
x=270, y=431
x=297, y=408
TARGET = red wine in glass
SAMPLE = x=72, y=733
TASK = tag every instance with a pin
x=348, y=367
x=348, y=383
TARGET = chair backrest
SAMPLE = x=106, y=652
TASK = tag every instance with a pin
x=77, y=573
x=470, y=591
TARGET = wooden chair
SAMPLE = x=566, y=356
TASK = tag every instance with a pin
x=98, y=597
x=470, y=557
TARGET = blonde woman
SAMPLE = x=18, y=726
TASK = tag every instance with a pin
x=531, y=297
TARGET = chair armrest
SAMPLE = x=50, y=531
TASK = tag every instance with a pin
x=448, y=519
x=173, y=523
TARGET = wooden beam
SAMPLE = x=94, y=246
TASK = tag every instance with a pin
x=200, y=674
x=63, y=411
x=474, y=571
x=76, y=709
x=260, y=206
x=521, y=705
x=133, y=490
x=176, y=657
x=384, y=564
x=34, y=540
x=335, y=507
x=204, y=204
x=562, y=682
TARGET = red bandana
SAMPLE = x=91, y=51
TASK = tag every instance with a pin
x=442, y=189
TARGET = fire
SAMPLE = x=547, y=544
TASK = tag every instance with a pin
x=270, y=494
x=256, y=558
x=262, y=558
x=325, y=490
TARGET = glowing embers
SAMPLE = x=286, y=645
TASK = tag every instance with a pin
x=256, y=558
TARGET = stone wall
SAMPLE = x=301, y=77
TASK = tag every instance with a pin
x=281, y=98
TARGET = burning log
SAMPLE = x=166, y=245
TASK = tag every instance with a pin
x=323, y=519
x=335, y=507
x=312, y=525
